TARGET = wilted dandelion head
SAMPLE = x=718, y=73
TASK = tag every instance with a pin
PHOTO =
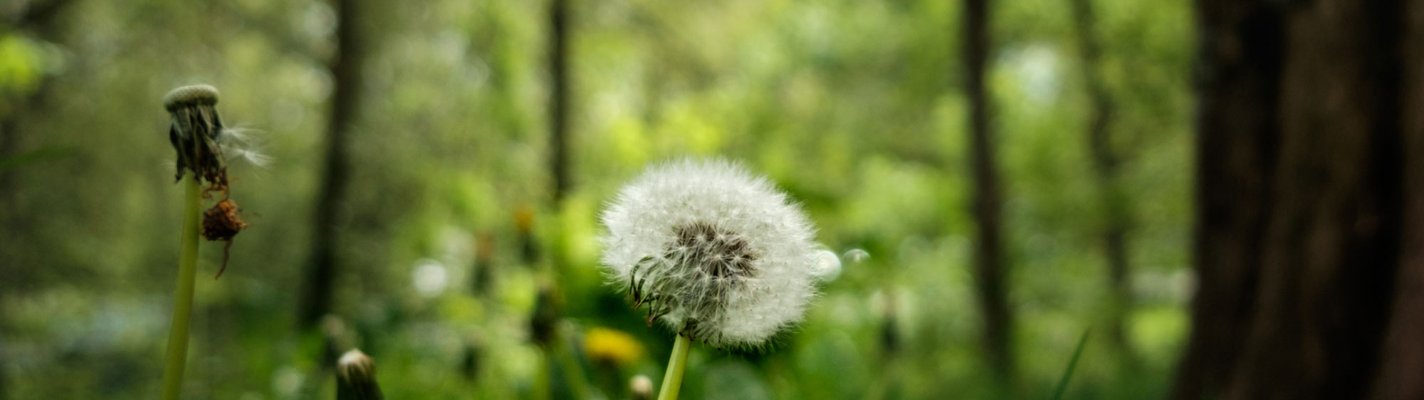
x=204, y=145
x=718, y=255
x=195, y=133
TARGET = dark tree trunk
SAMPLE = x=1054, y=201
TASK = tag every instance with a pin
x=1106, y=169
x=1403, y=347
x=989, y=265
x=346, y=72
x=1309, y=276
x=559, y=97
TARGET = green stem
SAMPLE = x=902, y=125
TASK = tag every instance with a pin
x=573, y=373
x=672, y=380
x=544, y=380
x=183, y=294
x=1072, y=363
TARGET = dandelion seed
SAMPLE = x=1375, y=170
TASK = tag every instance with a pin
x=827, y=266
x=855, y=256
x=718, y=255
x=244, y=144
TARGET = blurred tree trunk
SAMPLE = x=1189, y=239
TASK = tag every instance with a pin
x=1106, y=168
x=347, y=74
x=559, y=97
x=989, y=265
x=1310, y=203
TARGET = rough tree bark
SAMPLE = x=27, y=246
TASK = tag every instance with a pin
x=989, y=265
x=1309, y=276
x=1107, y=172
x=346, y=71
x=559, y=97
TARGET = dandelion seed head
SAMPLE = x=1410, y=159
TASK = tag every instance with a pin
x=717, y=254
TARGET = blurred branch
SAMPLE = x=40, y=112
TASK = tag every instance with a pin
x=1107, y=168
x=559, y=97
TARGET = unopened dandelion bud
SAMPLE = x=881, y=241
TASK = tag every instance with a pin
x=356, y=377
x=524, y=224
x=641, y=387
x=717, y=255
x=546, y=315
x=470, y=360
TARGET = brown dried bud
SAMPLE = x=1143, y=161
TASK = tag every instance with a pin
x=222, y=222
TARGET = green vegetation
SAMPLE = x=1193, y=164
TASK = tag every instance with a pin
x=853, y=107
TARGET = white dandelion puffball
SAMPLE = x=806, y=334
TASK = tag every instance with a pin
x=717, y=254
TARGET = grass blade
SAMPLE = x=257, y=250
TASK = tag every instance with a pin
x=1072, y=364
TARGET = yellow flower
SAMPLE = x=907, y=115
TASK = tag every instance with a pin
x=611, y=346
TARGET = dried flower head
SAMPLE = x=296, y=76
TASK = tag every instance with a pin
x=222, y=222
x=195, y=133
x=718, y=255
x=198, y=137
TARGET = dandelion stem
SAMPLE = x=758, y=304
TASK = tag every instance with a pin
x=672, y=381
x=183, y=294
x=573, y=373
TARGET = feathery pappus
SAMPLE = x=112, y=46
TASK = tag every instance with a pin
x=717, y=254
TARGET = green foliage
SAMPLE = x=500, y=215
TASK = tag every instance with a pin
x=853, y=107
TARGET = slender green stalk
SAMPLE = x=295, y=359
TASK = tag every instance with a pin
x=183, y=294
x=672, y=380
x=544, y=381
x=573, y=373
x=1072, y=364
